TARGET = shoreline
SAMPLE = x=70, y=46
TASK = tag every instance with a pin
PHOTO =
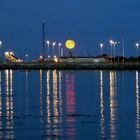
x=69, y=66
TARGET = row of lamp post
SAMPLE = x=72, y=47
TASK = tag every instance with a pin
x=113, y=45
x=53, y=45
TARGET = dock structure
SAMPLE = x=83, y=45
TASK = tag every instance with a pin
x=69, y=66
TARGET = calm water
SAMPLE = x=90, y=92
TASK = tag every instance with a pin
x=69, y=105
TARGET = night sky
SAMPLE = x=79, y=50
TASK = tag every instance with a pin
x=88, y=22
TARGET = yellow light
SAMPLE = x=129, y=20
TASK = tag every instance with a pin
x=70, y=44
x=56, y=60
x=11, y=53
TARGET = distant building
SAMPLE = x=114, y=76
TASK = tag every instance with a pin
x=84, y=59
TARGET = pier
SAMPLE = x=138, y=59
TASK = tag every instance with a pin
x=69, y=66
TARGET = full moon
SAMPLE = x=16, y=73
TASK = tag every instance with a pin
x=70, y=44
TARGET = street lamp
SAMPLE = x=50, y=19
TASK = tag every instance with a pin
x=101, y=47
x=59, y=51
x=137, y=46
x=114, y=44
x=26, y=57
x=40, y=57
x=48, y=43
x=0, y=43
x=53, y=44
x=111, y=43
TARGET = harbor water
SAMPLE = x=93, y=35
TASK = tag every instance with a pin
x=68, y=104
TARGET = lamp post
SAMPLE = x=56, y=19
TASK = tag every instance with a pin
x=26, y=57
x=111, y=43
x=59, y=49
x=48, y=44
x=123, y=49
x=53, y=44
x=0, y=43
x=101, y=47
x=61, y=52
x=114, y=45
x=137, y=46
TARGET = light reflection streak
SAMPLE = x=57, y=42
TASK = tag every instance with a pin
x=137, y=107
x=113, y=105
x=1, y=133
x=41, y=97
x=70, y=105
x=9, y=105
x=27, y=97
x=55, y=104
x=102, y=119
x=48, y=102
x=60, y=97
x=51, y=113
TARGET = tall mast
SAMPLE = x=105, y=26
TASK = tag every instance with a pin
x=43, y=40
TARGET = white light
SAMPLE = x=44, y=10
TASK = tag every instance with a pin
x=11, y=53
x=48, y=42
x=101, y=45
x=54, y=43
x=6, y=53
x=59, y=44
x=40, y=57
x=0, y=43
x=111, y=42
x=137, y=45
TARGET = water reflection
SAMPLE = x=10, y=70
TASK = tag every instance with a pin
x=137, y=107
x=41, y=98
x=48, y=103
x=27, y=92
x=55, y=105
x=1, y=133
x=51, y=119
x=113, y=105
x=9, y=133
x=70, y=105
x=102, y=119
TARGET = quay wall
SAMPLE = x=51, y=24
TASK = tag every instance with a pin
x=65, y=65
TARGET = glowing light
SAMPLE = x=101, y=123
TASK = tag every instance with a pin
x=48, y=42
x=6, y=53
x=9, y=53
x=0, y=43
x=137, y=45
x=54, y=43
x=59, y=44
x=56, y=60
x=40, y=56
x=111, y=42
x=101, y=45
x=70, y=44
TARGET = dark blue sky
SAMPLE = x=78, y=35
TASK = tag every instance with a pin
x=88, y=22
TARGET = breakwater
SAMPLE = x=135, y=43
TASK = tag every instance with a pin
x=68, y=65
